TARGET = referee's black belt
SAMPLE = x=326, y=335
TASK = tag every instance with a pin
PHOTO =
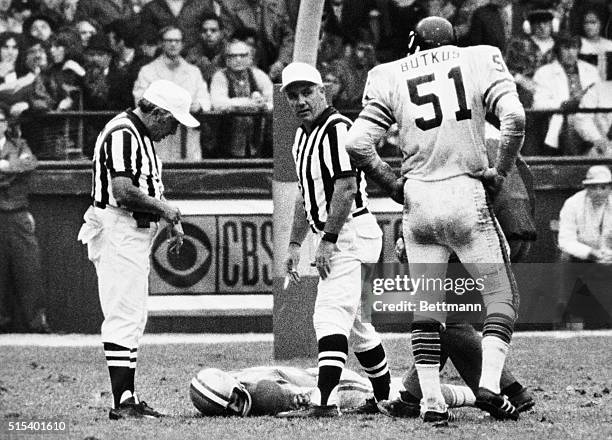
x=143, y=219
x=320, y=226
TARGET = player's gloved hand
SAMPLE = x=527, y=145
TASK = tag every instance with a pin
x=323, y=257
x=492, y=182
x=400, y=250
x=175, y=242
x=291, y=264
x=397, y=190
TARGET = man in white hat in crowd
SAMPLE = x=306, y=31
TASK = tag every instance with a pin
x=127, y=203
x=585, y=236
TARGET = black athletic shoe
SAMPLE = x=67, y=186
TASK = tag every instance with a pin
x=147, y=411
x=399, y=408
x=367, y=407
x=129, y=409
x=313, y=411
x=522, y=401
x=438, y=419
x=495, y=404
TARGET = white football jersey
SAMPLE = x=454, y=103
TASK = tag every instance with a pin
x=439, y=99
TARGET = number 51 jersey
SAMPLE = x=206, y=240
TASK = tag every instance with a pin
x=439, y=99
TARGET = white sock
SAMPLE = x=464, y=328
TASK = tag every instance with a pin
x=494, y=352
x=125, y=396
x=458, y=395
x=429, y=379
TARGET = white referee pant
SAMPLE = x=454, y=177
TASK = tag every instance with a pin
x=337, y=307
x=120, y=253
x=452, y=215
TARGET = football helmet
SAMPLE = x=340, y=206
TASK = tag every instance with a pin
x=431, y=32
x=216, y=393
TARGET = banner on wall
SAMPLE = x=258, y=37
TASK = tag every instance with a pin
x=228, y=247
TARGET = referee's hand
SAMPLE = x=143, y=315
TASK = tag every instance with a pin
x=323, y=257
x=172, y=214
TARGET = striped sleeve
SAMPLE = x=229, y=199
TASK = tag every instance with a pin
x=496, y=81
x=120, y=146
x=335, y=157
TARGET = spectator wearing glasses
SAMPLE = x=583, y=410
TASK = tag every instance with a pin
x=20, y=272
x=171, y=66
x=240, y=86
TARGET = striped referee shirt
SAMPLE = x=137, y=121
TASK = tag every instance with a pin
x=320, y=158
x=124, y=149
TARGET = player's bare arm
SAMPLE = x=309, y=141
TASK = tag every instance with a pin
x=130, y=197
x=340, y=208
x=363, y=137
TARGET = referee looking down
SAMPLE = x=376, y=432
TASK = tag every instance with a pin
x=121, y=224
x=332, y=202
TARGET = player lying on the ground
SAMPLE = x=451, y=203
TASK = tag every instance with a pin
x=269, y=390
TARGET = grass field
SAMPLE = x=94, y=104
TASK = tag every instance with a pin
x=570, y=379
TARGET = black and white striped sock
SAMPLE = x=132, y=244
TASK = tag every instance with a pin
x=333, y=351
x=374, y=364
x=426, y=352
x=121, y=375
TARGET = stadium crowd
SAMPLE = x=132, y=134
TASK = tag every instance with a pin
x=99, y=55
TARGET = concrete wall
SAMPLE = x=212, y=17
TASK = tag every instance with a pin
x=60, y=196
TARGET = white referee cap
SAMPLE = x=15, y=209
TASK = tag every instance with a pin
x=300, y=72
x=173, y=98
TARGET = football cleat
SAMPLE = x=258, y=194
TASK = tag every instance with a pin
x=497, y=405
x=129, y=409
x=312, y=411
x=438, y=419
x=399, y=408
x=522, y=401
x=367, y=407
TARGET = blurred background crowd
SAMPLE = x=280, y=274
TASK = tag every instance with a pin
x=84, y=57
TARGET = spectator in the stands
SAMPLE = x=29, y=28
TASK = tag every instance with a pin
x=561, y=84
x=57, y=88
x=346, y=17
x=524, y=55
x=207, y=52
x=585, y=236
x=241, y=86
x=125, y=66
x=353, y=72
x=147, y=47
x=527, y=53
x=596, y=128
x=271, y=21
x=333, y=84
x=331, y=49
x=10, y=44
x=104, y=11
x=86, y=29
x=184, y=14
x=170, y=65
x=53, y=10
x=9, y=22
x=68, y=9
x=21, y=281
x=594, y=46
x=38, y=28
x=491, y=24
